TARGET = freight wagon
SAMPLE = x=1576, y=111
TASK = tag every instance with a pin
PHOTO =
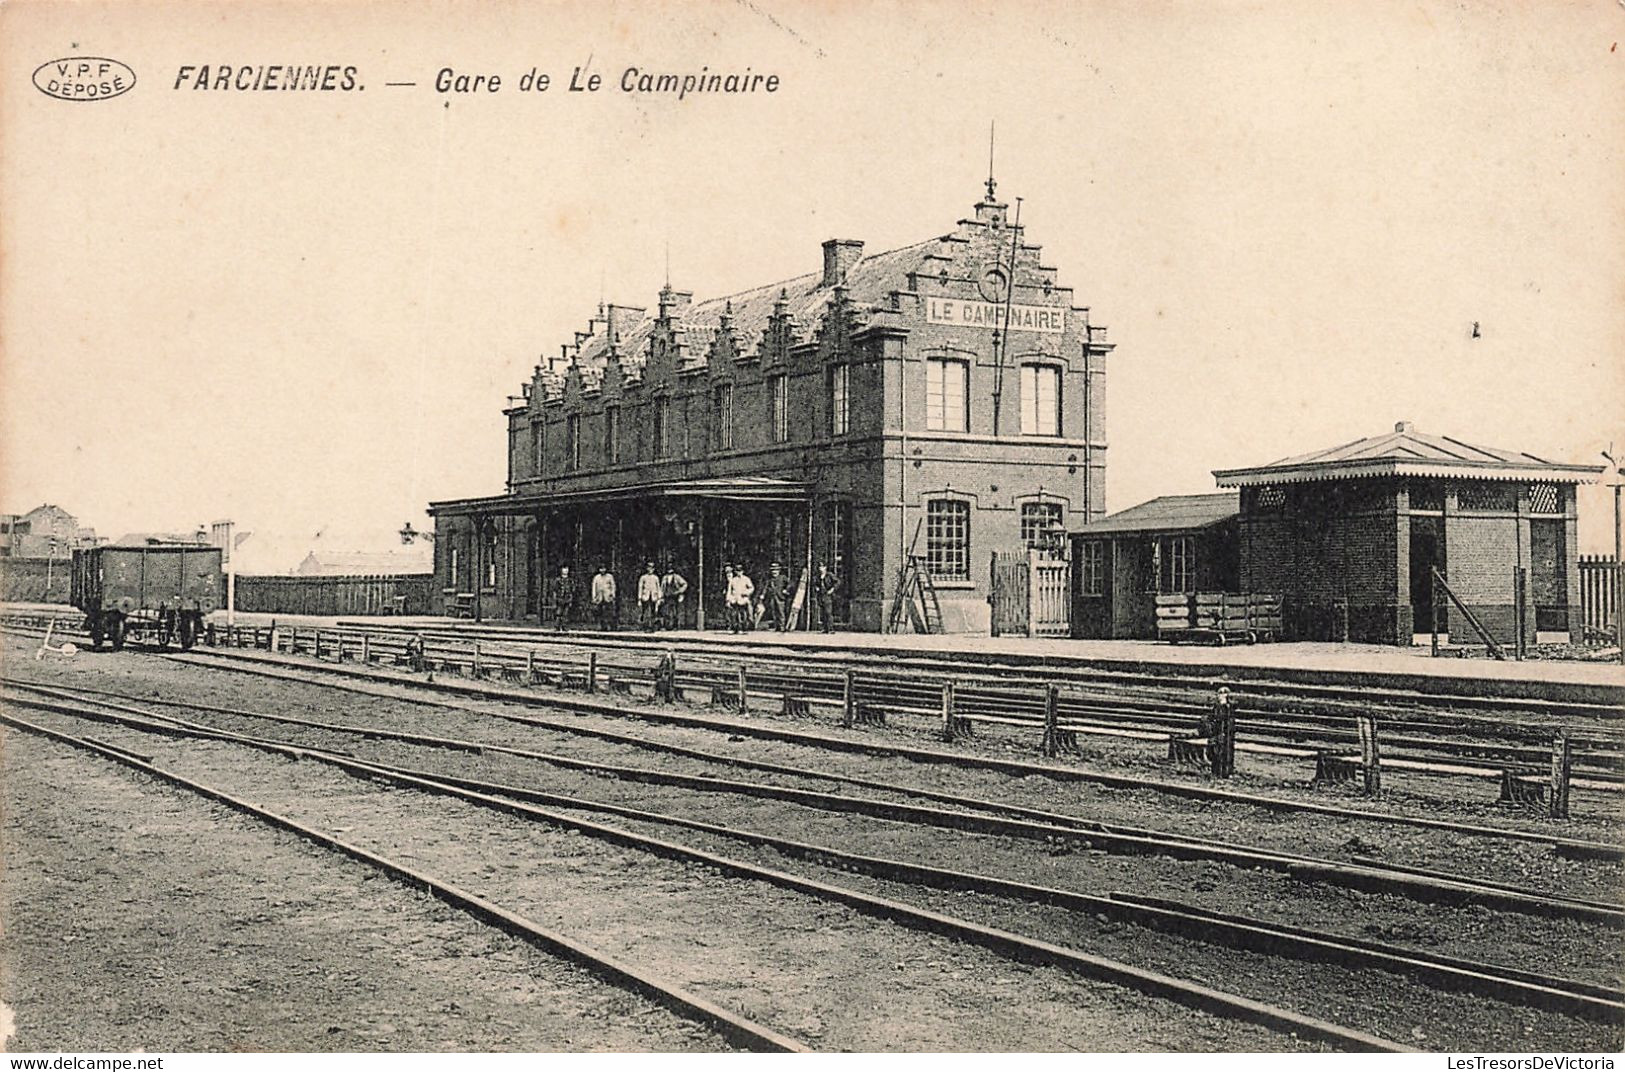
x=154, y=591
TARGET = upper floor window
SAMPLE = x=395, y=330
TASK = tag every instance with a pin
x=947, y=539
x=947, y=405
x=1040, y=400
x=612, y=434
x=840, y=410
x=538, y=445
x=723, y=414
x=1040, y=522
x=572, y=441
x=778, y=404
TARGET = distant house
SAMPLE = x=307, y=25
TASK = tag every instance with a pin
x=407, y=560
x=44, y=532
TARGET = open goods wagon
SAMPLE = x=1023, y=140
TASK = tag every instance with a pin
x=155, y=591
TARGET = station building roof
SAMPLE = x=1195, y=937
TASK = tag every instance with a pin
x=1407, y=452
x=742, y=488
x=1168, y=513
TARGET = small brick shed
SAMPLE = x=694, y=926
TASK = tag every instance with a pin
x=1351, y=534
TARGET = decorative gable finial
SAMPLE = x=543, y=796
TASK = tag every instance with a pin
x=991, y=185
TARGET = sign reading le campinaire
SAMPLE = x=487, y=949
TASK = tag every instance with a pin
x=978, y=314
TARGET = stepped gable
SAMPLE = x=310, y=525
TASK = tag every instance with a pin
x=868, y=284
x=624, y=334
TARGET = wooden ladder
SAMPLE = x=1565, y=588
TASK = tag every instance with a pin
x=915, y=595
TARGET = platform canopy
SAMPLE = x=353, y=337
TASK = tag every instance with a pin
x=1406, y=452
x=733, y=489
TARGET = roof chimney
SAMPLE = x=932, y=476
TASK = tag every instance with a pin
x=1404, y=426
x=840, y=254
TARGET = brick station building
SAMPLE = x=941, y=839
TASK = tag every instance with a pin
x=1354, y=531
x=829, y=417
x=1348, y=538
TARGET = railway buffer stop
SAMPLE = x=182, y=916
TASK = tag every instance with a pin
x=1379, y=540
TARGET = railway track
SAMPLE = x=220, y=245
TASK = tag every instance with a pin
x=1430, y=743
x=736, y=1029
x=940, y=809
x=1005, y=945
x=362, y=678
x=1572, y=997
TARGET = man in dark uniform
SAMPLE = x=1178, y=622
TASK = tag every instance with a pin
x=563, y=598
x=776, y=594
x=822, y=593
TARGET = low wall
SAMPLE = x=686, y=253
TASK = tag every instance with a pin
x=359, y=595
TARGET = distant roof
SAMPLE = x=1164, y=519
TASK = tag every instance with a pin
x=1169, y=513
x=1407, y=452
x=143, y=539
x=358, y=563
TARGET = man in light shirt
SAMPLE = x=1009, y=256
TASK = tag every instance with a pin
x=649, y=590
x=740, y=590
x=603, y=598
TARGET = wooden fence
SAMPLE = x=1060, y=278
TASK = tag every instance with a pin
x=1599, y=596
x=368, y=594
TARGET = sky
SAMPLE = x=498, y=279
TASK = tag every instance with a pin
x=305, y=311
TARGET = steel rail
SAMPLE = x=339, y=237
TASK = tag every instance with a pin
x=1118, y=838
x=1533, y=988
x=1004, y=663
x=1255, y=690
x=977, y=700
x=1006, y=943
x=731, y=1026
x=287, y=669
x=983, y=804
x=1238, y=932
x=1369, y=875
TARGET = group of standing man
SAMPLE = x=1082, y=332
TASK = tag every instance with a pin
x=662, y=598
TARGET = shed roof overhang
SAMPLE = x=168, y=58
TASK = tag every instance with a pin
x=1357, y=469
x=737, y=489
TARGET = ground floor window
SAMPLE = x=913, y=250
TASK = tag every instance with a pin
x=491, y=559
x=1040, y=521
x=456, y=568
x=1091, y=567
x=947, y=539
x=1176, y=567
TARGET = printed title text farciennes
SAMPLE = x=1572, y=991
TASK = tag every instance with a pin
x=339, y=78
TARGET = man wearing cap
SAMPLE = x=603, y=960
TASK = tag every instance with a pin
x=673, y=587
x=738, y=597
x=776, y=594
x=649, y=588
